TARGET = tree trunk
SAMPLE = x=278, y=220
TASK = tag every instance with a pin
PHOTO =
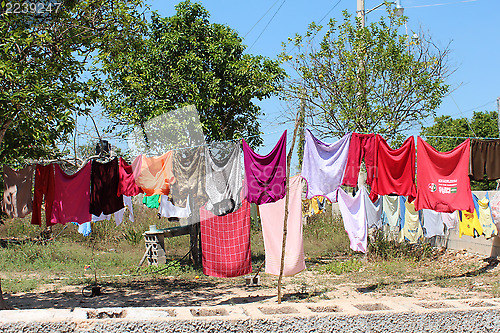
x=3, y=304
x=3, y=129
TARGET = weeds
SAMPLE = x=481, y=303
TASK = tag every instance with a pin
x=342, y=267
x=382, y=248
x=324, y=235
x=132, y=235
x=173, y=268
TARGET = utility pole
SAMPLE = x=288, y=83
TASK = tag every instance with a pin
x=498, y=114
x=360, y=11
x=498, y=123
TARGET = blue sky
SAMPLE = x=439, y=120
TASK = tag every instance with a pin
x=472, y=27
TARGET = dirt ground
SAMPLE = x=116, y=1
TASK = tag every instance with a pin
x=451, y=275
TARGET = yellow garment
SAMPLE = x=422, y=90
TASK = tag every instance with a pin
x=154, y=174
x=469, y=224
x=412, y=230
x=313, y=206
x=489, y=228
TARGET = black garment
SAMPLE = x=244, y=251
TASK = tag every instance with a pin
x=104, y=180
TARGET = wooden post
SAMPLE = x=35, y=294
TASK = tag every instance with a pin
x=194, y=234
x=285, y=220
x=195, y=241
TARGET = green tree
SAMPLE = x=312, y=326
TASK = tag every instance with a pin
x=446, y=133
x=185, y=59
x=42, y=60
x=368, y=80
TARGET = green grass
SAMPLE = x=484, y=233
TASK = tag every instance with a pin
x=20, y=285
x=342, y=267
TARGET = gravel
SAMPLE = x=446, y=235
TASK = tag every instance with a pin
x=481, y=320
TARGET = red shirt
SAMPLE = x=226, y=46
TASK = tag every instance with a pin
x=362, y=145
x=442, y=179
x=395, y=173
x=127, y=185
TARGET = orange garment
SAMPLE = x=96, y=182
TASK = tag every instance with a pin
x=154, y=174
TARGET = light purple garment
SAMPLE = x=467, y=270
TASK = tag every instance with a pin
x=324, y=165
x=265, y=176
x=354, y=215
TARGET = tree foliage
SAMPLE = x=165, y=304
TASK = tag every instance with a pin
x=368, y=80
x=185, y=59
x=42, y=61
x=446, y=133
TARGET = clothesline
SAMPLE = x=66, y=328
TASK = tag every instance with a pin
x=457, y=137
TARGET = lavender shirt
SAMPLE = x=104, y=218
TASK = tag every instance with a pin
x=324, y=165
x=265, y=176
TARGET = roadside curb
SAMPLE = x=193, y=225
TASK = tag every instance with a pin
x=458, y=315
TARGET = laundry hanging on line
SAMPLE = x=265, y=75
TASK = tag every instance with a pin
x=385, y=168
x=44, y=189
x=154, y=174
x=323, y=165
x=225, y=241
x=190, y=173
x=265, y=176
x=313, y=206
x=71, y=196
x=223, y=178
x=272, y=219
x=484, y=159
x=104, y=183
x=411, y=227
x=126, y=184
x=361, y=146
x=17, y=200
x=443, y=184
x=395, y=169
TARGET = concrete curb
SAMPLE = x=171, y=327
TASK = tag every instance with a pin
x=464, y=315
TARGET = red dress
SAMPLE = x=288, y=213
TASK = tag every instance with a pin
x=442, y=179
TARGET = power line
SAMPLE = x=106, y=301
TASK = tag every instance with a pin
x=330, y=11
x=442, y=4
x=261, y=18
x=276, y=12
x=426, y=121
x=319, y=22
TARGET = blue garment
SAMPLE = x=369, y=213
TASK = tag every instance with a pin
x=84, y=228
x=402, y=209
x=476, y=203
